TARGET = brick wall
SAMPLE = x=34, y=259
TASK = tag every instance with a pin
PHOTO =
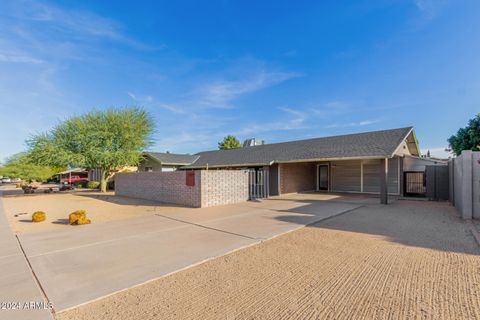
x=296, y=177
x=167, y=187
x=221, y=187
x=212, y=188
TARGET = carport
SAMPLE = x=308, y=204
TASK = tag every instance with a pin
x=368, y=176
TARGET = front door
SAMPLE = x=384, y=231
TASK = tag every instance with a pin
x=323, y=177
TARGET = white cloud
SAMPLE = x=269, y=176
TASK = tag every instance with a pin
x=295, y=121
x=150, y=102
x=353, y=124
x=430, y=8
x=173, y=108
x=78, y=26
x=18, y=58
x=220, y=94
x=131, y=95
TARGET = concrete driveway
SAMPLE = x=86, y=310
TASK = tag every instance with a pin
x=82, y=264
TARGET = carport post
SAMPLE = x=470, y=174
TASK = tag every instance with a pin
x=383, y=181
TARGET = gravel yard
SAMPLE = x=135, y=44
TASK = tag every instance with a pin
x=100, y=208
x=408, y=260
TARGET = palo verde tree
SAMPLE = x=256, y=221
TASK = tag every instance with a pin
x=467, y=138
x=229, y=142
x=100, y=139
x=21, y=166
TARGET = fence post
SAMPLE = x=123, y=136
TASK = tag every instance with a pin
x=467, y=184
x=451, y=180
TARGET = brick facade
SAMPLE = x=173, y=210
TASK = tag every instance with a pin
x=297, y=177
x=211, y=187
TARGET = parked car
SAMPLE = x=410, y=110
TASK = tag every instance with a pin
x=6, y=180
x=17, y=180
x=75, y=179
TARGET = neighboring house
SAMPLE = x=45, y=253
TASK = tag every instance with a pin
x=96, y=174
x=418, y=164
x=158, y=161
x=370, y=162
x=73, y=175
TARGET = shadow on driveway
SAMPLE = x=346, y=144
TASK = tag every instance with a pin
x=425, y=224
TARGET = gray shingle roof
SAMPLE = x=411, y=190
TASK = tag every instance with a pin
x=172, y=158
x=361, y=145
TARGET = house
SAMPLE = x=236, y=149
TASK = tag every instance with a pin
x=158, y=161
x=384, y=163
x=369, y=162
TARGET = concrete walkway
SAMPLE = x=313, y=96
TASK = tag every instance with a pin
x=82, y=264
x=17, y=283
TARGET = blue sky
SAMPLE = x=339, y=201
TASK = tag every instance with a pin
x=277, y=70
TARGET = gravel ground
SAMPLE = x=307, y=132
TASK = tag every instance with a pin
x=100, y=208
x=407, y=260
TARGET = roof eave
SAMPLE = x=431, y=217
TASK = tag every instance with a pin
x=227, y=166
x=288, y=161
x=175, y=164
x=336, y=159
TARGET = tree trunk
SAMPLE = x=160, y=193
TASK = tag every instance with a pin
x=103, y=180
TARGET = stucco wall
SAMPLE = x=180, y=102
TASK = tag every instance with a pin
x=466, y=184
x=476, y=185
x=214, y=187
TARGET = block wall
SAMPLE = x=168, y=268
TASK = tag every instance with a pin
x=212, y=187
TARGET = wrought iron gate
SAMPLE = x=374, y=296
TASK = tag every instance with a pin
x=257, y=183
x=415, y=184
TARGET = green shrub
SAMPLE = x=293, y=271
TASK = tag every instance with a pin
x=93, y=185
x=80, y=184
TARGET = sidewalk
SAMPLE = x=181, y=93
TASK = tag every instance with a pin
x=18, y=288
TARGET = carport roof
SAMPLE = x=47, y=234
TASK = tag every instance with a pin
x=375, y=144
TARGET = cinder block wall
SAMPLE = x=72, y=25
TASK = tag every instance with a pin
x=212, y=188
x=167, y=187
x=220, y=187
x=296, y=177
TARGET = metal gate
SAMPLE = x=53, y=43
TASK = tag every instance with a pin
x=257, y=183
x=437, y=182
x=414, y=185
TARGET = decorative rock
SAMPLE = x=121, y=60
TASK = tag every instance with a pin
x=38, y=216
x=78, y=217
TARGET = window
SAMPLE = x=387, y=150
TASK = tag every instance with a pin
x=148, y=169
